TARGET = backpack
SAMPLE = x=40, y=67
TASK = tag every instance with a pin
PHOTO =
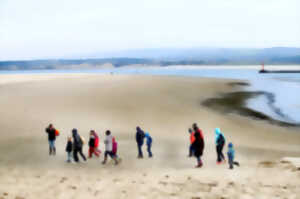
x=82, y=140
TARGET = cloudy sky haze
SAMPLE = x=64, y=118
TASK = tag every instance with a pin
x=35, y=29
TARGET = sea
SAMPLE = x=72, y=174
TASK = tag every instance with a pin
x=283, y=104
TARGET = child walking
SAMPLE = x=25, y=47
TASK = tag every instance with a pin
x=93, y=144
x=149, y=144
x=231, y=153
x=192, y=139
x=69, y=149
x=114, y=147
x=109, y=148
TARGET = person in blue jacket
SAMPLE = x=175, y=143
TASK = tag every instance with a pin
x=231, y=153
x=139, y=136
x=220, y=142
x=149, y=144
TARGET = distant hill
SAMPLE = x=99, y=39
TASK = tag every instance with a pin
x=167, y=57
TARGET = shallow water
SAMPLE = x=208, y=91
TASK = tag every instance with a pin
x=285, y=105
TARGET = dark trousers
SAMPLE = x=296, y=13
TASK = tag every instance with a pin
x=140, y=155
x=149, y=150
x=220, y=155
x=75, y=154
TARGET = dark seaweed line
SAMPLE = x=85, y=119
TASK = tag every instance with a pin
x=235, y=102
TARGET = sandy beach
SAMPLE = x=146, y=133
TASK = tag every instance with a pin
x=165, y=107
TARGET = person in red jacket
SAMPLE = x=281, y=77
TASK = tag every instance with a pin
x=192, y=139
x=198, y=145
x=93, y=144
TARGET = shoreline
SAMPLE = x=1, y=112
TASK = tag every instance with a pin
x=235, y=102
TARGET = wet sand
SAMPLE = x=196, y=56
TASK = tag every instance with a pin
x=164, y=106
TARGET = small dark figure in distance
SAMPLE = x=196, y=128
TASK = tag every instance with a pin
x=140, y=135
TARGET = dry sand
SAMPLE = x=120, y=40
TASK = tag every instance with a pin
x=164, y=106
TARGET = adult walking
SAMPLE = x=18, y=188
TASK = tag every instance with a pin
x=220, y=142
x=52, y=133
x=78, y=144
x=198, y=145
x=140, y=135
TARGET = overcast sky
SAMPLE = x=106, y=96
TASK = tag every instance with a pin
x=31, y=29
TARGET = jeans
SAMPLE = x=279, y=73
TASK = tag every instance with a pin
x=69, y=156
x=232, y=162
x=149, y=150
x=52, y=144
x=140, y=155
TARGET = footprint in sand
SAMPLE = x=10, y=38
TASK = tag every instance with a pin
x=96, y=193
x=63, y=179
x=267, y=164
x=19, y=197
x=163, y=183
x=73, y=187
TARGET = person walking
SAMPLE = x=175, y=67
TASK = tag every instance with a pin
x=231, y=156
x=140, y=135
x=52, y=133
x=220, y=142
x=77, y=146
x=192, y=139
x=149, y=144
x=93, y=144
x=109, y=147
x=69, y=149
x=198, y=146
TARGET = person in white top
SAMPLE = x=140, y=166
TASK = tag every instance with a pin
x=109, y=147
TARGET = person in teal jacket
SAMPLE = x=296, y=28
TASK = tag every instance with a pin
x=231, y=154
x=220, y=142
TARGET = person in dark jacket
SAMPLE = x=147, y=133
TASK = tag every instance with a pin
x=77, y=146
x=69, y=149
x=149, y=144
x=198, y=146
x=51, y=131
x=220, y=142
x=140, y=135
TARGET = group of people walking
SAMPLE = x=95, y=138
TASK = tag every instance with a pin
x=76, y=142
x=197, y=147
x=75, y=145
